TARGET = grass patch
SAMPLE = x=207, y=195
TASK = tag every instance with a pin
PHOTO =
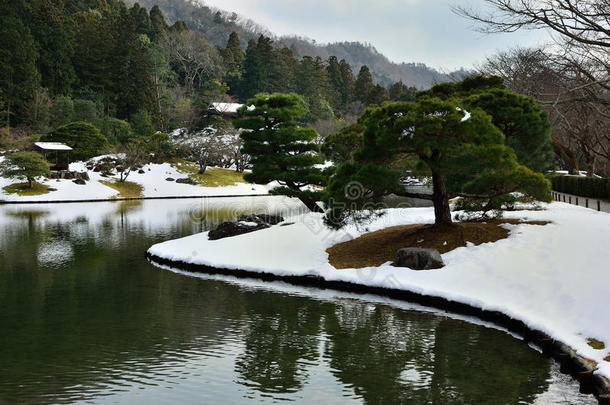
x=375, y=248
x=213, y=176
x=126, y=189
x=596, y=344
x=23, y=189
x=607, y=358
x=33, y=214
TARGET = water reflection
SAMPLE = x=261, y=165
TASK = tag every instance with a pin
x=84, y=317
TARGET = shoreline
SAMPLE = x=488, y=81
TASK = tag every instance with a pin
x=580, y=368
x=30, y=202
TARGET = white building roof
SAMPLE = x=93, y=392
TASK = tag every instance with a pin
x=226, y=107
x=52, y=146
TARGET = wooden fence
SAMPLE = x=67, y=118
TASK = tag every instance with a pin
x=591, y=203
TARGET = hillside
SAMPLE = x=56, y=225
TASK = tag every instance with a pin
x=217, y=25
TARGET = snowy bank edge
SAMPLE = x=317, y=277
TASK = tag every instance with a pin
x=571, y=363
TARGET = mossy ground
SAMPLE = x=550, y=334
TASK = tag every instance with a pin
x=23, y=189
x=32, y=214
x=126, y=189
x=596, y=344
x=375, y=248
x=213, y=177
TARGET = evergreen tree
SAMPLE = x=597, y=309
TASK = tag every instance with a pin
x=93, y=55
x=340, y=146
x=234, y=46
x=399, y=92
x=448, y=141
x=132, y=84
x=522, y=120
x=84, y=138
x=254, y=80
x=336, y=83
x=283, y=72
x=280, y=149
x=179, y=26
x=28, y=165
x=19, y=77
x=55, y=46
x=348, y=82
x=364, y=85
x=234, y=59
x=312, y=80
x=158, y=25
x=141, y=20
x=62, y=111
x=378, y=95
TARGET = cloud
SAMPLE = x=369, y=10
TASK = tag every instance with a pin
x=404, y=30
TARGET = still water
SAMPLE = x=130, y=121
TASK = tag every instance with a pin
x=84, y=318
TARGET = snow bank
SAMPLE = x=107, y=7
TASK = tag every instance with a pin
x=153, y=180
x=554, y=278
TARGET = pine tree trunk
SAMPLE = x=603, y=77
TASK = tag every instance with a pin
x=311, y=204
x=440, y=198
x=8, y=118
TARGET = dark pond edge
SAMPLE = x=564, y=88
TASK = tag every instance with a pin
x=571, y=363
x=4, y=202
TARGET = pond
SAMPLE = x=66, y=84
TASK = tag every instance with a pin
x=85, y=318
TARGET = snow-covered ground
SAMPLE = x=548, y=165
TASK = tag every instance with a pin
x=153, y=180
x=554, y=278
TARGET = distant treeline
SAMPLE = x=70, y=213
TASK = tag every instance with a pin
x=115, y=66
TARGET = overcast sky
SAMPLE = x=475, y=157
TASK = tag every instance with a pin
x=404, y=30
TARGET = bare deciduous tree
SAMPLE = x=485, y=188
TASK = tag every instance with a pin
x=193, y=57
x=132, y=155
x=572, y=79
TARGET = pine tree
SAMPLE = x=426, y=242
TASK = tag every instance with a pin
x=364, y=85
x=93, y=62
x=336, y=82
x=348, y=82
x=158, y=25
x=133, y=85
x=283, y=72
x=234, y=59
x=378, y=95
x=234, y=45
x=399, y=92
x=28, y=165
x=522, y=120
x=86, y=139
x=55, y=46
x=253, y=74
x=464, y=152
x=280, y=149
x=141, y=19
x=19, y=77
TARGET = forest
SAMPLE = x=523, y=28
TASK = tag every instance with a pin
x=128, y=72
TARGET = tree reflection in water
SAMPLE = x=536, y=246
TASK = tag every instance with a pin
x=102, y=322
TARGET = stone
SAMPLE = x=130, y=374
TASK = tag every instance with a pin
x=419, y=259
x=79, y=181
x=187, y=180
x=229, y=229
x=262, y=218
x=170, y=179
x=141, y=171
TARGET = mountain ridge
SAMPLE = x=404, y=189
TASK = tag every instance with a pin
x=217, y=24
